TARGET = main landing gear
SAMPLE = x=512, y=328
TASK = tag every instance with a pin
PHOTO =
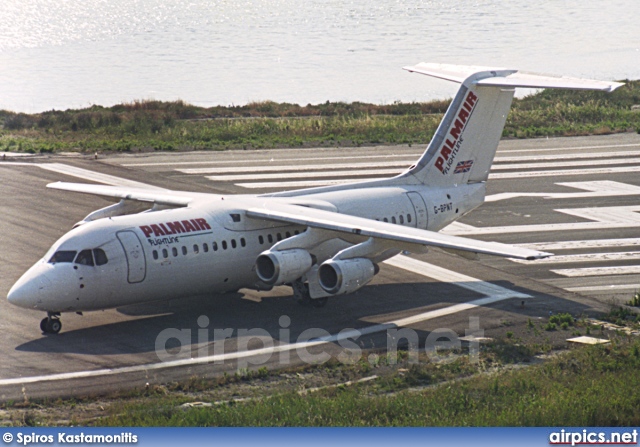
x=302, y=296
x=51, y=324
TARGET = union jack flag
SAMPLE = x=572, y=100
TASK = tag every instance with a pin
x=463, y=166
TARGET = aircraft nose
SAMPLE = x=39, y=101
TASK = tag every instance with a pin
x=29, y=289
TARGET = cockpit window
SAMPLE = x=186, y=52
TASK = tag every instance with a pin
x=100, y=256
x=63, y=256
x=85, y=258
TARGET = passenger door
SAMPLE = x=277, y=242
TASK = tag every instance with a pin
x=136, y=262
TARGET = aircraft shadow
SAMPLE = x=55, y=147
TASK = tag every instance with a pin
x=371, y=305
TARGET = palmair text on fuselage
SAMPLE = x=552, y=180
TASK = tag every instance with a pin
x=323, y=242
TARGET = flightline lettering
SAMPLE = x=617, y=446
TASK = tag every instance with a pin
x=451, y=146
x=177, y=227
x=164, y=240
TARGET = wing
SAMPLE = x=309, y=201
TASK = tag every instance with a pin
x=156, y=196
x=343, y=223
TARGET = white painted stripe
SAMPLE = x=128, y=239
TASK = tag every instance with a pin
x=413, y=157
x=599, y=188
x=605, y=288
x=589, y=257
x=444, y=275
x=613, y=170
x=565, y=156
x=576, y=245
x=574, y=148
x=301, y=184
x=291, y=175
x=93, y=176
x=599, y=271
x=294, y=168
x=561, y=164
x=602, y=218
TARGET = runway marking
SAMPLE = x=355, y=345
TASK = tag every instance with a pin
x=449, y=276
x=599, y=271
x=602, y=218
x=574, y=148
x=232, y=178
x=279, y=160
x=589, y=257
x=415, y=155
x=495, y=294
x=599, y=188
x=301, y=184
x=294, y=168
x=604, y=288
x=526, y=174
x=572, y=156
x=603, y=188
x=85, y=174
x=561, y=164
x=572, y=245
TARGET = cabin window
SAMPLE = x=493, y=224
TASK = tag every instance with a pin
x=409, y=218
x=393, y=219
x=205, y=247
x=279, y=237
x=100, y=256
x=243, y=242
x=233, y=243
x=270, y=238
x=155, y=254
x=385, y=219
x=401, y=219
x=196, y=249
x=174, y=250
x=63, y=256
x=235, y=217
x=215, y=246
x=165, y=253
x=288, y=234
x=85, y=258
x=184, y=250
x=261, y=239
x=296, y=232
x=224, y=245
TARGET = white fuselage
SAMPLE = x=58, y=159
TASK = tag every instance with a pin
x=209, y=248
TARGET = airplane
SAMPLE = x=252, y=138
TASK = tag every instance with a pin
x=323, y=242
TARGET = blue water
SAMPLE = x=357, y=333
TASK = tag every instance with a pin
x=75, y=53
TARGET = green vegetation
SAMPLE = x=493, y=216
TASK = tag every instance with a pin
x=635, y=300
x=155, y=125
x=591, y=386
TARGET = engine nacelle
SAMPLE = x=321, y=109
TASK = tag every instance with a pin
x=338, y=277
x=279, y=267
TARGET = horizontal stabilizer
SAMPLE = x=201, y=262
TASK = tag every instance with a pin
x=508, y=78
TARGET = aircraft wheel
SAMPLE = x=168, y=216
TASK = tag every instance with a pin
x=43, y=324
x=53, y=326
x=301, y=292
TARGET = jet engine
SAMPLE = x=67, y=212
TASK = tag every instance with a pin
x=279, y=267
x=339, y=277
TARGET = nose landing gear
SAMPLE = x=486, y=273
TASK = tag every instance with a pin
x=51, y=324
